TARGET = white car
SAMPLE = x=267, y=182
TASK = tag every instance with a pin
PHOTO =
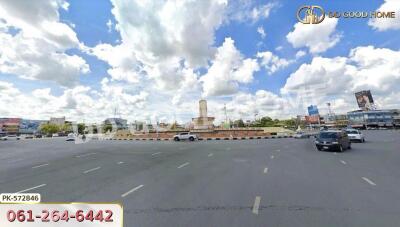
x=10, y=137
x=71, y=137
x=301, y=135
x=185, y=136
x=355, y=135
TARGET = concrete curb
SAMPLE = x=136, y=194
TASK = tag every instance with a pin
x=206, y=139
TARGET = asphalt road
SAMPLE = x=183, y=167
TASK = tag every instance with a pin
x=273, y=182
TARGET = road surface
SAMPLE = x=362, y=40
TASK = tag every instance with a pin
x=268, y=182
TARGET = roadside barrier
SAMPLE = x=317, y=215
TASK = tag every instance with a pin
x=205, y=139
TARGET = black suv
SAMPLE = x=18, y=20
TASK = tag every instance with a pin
x=333, y=140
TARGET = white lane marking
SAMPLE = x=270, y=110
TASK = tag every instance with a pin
x=155, y=153
x=84, y=155
x=210, y=154
x=183, y=165
x=343, y=162
x=256, y=205
x=91, y=170
x=132, y=190
x=29, y=189
x=369, y=181
x=266, y=170
x=272, y=157
x=40, y=166
x=335, y=153
x=119, y=163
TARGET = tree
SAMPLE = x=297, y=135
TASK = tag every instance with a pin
x=107, y=128
x=67, y=127
x=265, y=122
x=81, y=128
x=239, y=123
x=49, y=128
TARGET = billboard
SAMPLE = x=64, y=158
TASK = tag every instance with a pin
x=364, y=100
x=30, y=126
x=315, y=119
x=10, y=125
x=313, y=110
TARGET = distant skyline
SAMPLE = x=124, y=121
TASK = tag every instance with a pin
x=153, y=60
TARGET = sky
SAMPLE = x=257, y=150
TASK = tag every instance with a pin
x=153, y=60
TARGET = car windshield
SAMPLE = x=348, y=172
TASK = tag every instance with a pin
x=328, y=135
x=352, y=132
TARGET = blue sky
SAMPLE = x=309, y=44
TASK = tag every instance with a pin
x=149, y=77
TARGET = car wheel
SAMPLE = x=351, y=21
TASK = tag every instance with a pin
x=318, y=148
x=176, y=139
x=363, y=140
x=191, y=138
x=349, y=147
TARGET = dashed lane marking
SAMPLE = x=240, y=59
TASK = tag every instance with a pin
x=369, y=181
x=183, y=165
x=29, y=189
x=43, y=165
x=256, y=205
x=132, y=190
x=85, y=155
x=91, y=170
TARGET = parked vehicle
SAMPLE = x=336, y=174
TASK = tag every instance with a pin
x=185, y=136
x=301, y=135
x=333, y=140
x=4, y=137
x=28, y=137
x=355, y=135
x=11, y=137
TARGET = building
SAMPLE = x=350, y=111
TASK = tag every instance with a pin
x=203, y=121
x=119, y=123
x=10, y=125
x=60, y=121
x=374, y=118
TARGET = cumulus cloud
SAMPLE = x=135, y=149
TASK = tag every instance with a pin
x=109, y=25
x=228, y=69
x=247, y=10
x=37, y=49
x=271, y=62
x=77, y=103
x=261, y=31
x=163, y=43
x=317, y=37
x=262, y=103
x=174, y=28
x=39, y=19
x=337, y=79
x=300, y=54
x=383, y=24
